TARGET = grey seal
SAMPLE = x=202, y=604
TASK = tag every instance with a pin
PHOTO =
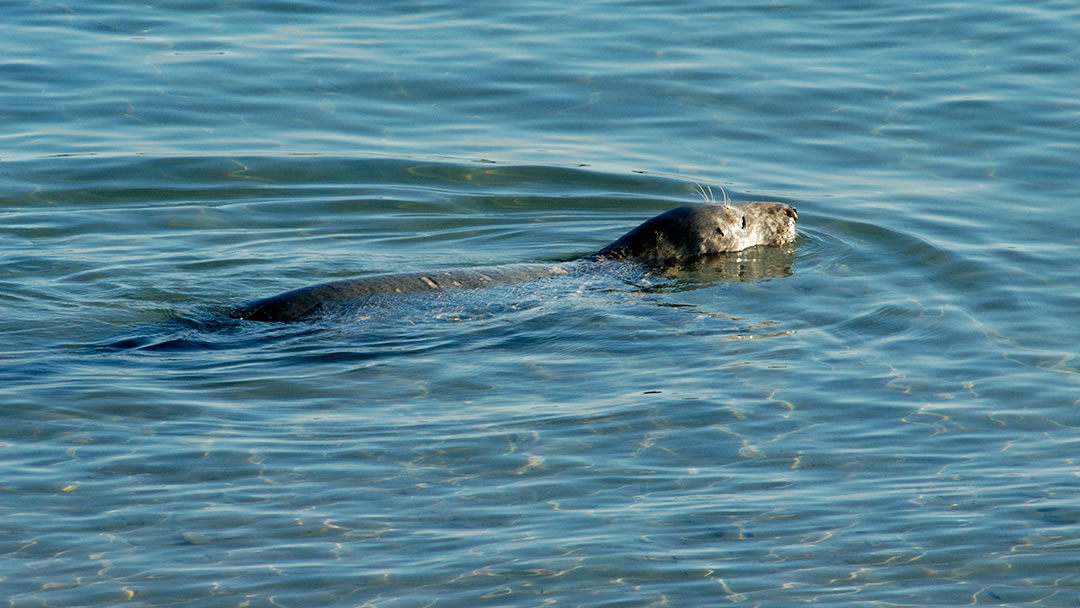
x=676, y=235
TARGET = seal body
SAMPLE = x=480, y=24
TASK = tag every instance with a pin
x=677, y=235
x=292, y=305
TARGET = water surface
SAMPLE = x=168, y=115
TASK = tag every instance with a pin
x=882, y=414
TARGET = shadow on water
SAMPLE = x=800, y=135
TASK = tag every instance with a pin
x=754, y=265
x=201, y=332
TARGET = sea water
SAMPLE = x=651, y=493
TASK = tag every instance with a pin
x=884, y=414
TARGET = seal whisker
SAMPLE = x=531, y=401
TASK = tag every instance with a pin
x=707, y=196
x=707, y=193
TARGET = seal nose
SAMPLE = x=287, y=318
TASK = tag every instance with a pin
x=792, y=213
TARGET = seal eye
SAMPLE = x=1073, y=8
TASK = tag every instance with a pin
x=744, y=222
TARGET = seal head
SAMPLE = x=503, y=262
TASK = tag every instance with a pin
x=688, y=232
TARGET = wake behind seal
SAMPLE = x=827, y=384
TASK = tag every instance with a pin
x=680, y=234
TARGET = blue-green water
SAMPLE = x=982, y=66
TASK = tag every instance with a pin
x=887, y=417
